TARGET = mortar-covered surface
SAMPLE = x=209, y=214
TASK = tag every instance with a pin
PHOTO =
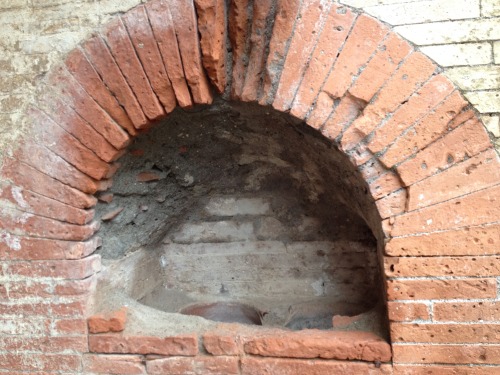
x=238, y=202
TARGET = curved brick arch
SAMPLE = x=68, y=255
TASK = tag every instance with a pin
x=430, y=166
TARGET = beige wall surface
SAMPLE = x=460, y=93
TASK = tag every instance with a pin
x=463, y=36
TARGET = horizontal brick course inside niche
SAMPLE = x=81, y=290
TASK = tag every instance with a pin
x=436, y=186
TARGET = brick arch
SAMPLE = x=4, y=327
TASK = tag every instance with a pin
x=430, y=166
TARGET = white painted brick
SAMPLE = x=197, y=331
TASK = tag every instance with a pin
x=220, y=231
x=451, y=31
x=368, y=3
x=222, y=206
x=492, y=123
x=425, y=11
x=496, y=52
x=475, y=77
x=12, y=4
x=485, y=101
x=224, y=249
x=490, y=8
x=459, y=54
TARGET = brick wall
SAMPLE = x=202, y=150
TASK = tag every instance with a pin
x=463, y=37
x=429, y=164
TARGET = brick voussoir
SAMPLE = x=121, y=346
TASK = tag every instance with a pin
x=67, y=118
x=47, y=162
x=13, y=247
x=141, y=35
x=101, y=59
x=186, y=29
x=283, y=28
x=117, y=38
x=30, y=178
x=83, y=71
x=31, y=202
x=332, y=38
x=63, y=144
x=212, y=26
x=306, y=34
x=74, y=94
x=162, y=25
x=26, y=224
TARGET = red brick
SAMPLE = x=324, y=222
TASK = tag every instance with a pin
x=484, y=266
x=393, y=204
x=441, y=289
x=406, y=312
x=444, y=370
x=114, y=364
x=362, y=43
x=284, y=22
x=194, y=366
x=322, y=109
x=75, y=287
x=186, y=29
x=141, y=35
x=103, y=62
x=344, y=114
x=432, y=126
x=421, y=102
x=43, y=362
x=447, y=354
x=25, y=224
x=44, y=308
x=464, y=142
x=469, y=241
x=217, y=343
x=57, y=269
x=313, y=15
x=212, y=26
x=446, y=333
x=19, y=290
x=46, y=344
x=238, y=25
x=109, y=322
x=31, y=179
x=415, y=71
x=110, y=215
x=66, y=146
x=186, y=345
x=384, y=185
x=478, y=172
x=69, y=120
x=71, y=92
x=273, y=366
x=262, y=11
x=47, y=162
x=74, y=309
x=28, y=201
x=164, y=32
x=121, y=48
x=477, y=208
x=352, y=345
x=12, y=290
x=80, y=67
x=467, y=311
x=27, y=248
x=69, y=327
x=378, y=70
x=333, y=36
x=372, y=169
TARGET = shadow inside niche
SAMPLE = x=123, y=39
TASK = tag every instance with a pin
x=239, y=204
